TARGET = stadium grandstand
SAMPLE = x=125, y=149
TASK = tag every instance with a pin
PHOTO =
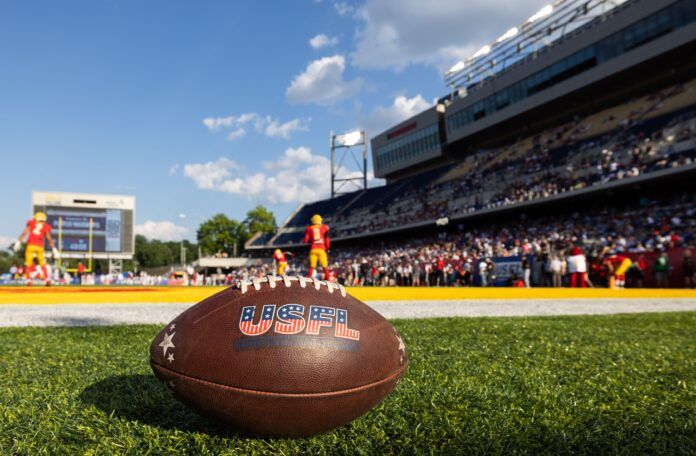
x=587, y=108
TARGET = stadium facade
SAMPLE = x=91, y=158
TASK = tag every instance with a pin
x=604, y=76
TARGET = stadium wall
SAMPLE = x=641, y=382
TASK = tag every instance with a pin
x=668, y=29
x=676, y=265
x=414, y=141
x=631, y=58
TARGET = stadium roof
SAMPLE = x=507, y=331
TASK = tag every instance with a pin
x=551, y=24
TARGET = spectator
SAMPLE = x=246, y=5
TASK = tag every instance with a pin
x=556, y=268
x=577, y=268
x=526, y=272
x=688, y=268
x=483, y=272
x=661, y=271
x=637, y=272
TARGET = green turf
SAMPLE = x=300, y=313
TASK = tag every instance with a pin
x=609, y=384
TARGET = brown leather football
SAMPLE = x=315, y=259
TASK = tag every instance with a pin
x=280, y=356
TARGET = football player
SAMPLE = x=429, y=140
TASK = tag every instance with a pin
x=316, y=235
x=280, y=261
x=36, y=230
x=617, y=265
x=624, y=264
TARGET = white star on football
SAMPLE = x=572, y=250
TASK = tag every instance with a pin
x=167, y=343
x=402, y=349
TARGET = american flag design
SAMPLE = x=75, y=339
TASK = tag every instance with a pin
x=290, y=319
x=246, y=321
x=318, y=318
x=342, y=329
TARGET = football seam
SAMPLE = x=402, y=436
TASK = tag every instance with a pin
x=271, y=280
x=387, y=379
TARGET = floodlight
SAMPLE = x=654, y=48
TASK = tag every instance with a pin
x=483, y=51
x=459, y=66
x=509, y=34
x=542, y=13
x=350, y=139
x=343, y=179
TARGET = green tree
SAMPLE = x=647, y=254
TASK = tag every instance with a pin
x=150, y=254
x=9, y=258
x=260, y=219
x=221, y=234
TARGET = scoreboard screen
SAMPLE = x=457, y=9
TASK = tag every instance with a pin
x=74, y=228
x=100, y=226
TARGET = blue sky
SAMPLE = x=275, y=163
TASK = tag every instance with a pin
x=213, y=106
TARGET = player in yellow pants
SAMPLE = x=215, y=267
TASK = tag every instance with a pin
x=35, y=232
x=318, y=256
x=617, y=265
x=316, y=235
x=281, y=262
x=620, y=274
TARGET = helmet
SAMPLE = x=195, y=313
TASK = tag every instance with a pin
x=277, y=252
x=316, y=219
x=40, y=217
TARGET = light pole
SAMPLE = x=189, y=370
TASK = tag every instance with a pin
x=354, y=180
x=182, y=252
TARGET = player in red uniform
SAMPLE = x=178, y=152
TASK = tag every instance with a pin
x=316, y=235
x=281, y=262
x=617, y=265
x=36, y=230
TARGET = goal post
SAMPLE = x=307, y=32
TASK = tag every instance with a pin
x=90, y=236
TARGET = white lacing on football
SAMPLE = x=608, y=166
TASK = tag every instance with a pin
x=272, y=281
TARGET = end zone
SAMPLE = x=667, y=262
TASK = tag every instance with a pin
x=122, y=295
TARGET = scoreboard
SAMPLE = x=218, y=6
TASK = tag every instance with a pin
x=89, y=225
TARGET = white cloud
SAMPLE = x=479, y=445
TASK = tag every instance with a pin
x=208, y=175
x=238, y=133
x=6, y=242
x=343, y=8
x=298, y=175
x=274, y=129
x=266, y=125
x=383, y=117
x=394, y=34
x=321, y=41
x=322, y=83
x=163, y=231
x=294, y=157
x=174, y=169
x=217, y=123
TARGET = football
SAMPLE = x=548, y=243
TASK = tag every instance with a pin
x=280, y=356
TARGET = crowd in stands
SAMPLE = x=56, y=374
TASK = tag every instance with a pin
x=626, y=141
x=470, y=255
x=466, y=255
x=217, y=278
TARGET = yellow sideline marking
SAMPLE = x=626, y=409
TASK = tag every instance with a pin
x=97, y=295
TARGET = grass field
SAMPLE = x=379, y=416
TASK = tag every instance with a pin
x=608, y=384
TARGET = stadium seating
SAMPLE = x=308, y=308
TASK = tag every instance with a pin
x=642, y=135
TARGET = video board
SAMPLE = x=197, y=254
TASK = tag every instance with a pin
x=86, y=224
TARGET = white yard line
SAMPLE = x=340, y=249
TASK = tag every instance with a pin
x=160, y=313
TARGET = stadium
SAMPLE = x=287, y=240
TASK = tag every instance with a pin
x=562, y=147
x=532, y=243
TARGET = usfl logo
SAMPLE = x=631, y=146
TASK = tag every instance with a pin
x=290, y=319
